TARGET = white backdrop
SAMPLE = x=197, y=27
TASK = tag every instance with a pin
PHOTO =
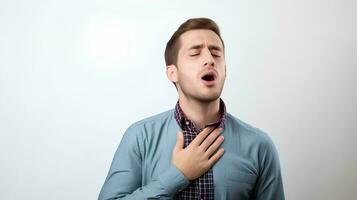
x=75, y=74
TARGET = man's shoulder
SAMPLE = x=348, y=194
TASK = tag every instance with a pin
x=140, y=130
x=156, y=119
x=247, y=131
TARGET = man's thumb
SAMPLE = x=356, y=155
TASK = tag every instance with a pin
x=180, y=141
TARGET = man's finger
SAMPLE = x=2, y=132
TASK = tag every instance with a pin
x=202, y=136
x=214, y=146
x=210, y=139
x=215, y=157
x=179, y=141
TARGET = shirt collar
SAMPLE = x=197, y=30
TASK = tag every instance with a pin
x=186, y=123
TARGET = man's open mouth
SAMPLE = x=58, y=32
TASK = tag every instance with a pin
x=209, y=76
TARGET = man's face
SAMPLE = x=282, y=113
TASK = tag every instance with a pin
x=201, y=71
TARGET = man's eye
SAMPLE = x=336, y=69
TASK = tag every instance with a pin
x=196, y=54
x=216, y=55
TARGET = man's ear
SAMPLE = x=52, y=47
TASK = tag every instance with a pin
x=171, y=72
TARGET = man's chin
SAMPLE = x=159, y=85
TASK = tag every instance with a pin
x=207, y=98
x=204, y=96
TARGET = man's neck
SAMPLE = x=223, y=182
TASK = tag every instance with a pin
x=201, y=113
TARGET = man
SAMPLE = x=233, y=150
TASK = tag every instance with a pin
x=214, y=155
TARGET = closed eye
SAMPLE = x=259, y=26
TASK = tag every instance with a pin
x=195, y=54
x=216, y=55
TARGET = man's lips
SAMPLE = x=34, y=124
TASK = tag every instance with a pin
x=209, y=77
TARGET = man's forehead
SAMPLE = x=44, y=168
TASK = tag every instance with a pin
x=199, y=37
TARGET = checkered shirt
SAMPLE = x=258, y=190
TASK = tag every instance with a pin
x=202, y=187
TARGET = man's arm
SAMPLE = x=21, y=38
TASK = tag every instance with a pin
x=269, y=184
x=124, y=180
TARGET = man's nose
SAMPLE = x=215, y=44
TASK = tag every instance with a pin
x=208, y=59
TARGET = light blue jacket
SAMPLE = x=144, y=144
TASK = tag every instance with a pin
x=142, y=169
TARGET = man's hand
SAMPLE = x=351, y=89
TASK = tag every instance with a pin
x=200, y=155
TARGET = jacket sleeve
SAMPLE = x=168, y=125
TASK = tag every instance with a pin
x=124, y=180
x=269, y=184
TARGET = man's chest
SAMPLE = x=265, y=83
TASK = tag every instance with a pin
x=235, y=174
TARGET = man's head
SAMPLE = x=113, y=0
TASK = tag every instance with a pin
x=195, y=61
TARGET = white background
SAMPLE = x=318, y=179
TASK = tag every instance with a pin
x=75, y=74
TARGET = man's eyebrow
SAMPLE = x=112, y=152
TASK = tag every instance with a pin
x=200, y=46
x=214, y=47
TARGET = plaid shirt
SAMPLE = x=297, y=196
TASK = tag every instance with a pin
x=202, y=187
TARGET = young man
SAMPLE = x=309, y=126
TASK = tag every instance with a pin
x=197, y=150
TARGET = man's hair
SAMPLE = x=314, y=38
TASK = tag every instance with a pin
x=173, y=45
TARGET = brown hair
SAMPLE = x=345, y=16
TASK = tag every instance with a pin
x=173, y=45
